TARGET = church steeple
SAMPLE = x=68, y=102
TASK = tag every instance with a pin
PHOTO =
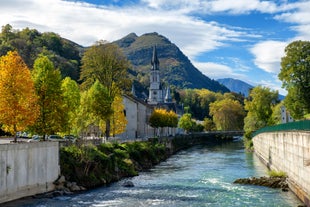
x=133, y=90
x=155, y=91
x=155, y=61
x=168, y=98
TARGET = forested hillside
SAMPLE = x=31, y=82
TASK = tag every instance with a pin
x=175, y=68
x=29, y=43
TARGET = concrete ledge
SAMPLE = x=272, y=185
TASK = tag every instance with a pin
x=287, y=151
x=27, y=191
x=27, y=169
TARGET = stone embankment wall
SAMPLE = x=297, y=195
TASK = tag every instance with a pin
x=27, y=169
x=287, y=151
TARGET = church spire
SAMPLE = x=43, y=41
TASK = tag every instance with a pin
x=133, y=90
x=168, y=98
x=155, y=61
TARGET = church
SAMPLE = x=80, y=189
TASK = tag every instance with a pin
x=156, y=93
x=138, y=111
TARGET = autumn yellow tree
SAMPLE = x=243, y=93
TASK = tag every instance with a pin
x=161, y=118
x=18, y=100
x=227, y=114
x=118, y=118
x=107, y=65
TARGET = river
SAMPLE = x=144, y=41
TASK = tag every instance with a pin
x=199, y=176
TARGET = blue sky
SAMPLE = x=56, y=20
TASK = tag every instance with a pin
x=243, y=39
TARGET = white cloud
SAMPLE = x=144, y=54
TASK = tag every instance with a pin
x=241, y=6
x=274, y=84
x=298, y=14
x=268, y=54
x=212, y=6
x=178, y=20
x=85, y=23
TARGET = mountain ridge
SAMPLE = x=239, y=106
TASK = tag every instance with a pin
x=175, y=68
x=236, y=85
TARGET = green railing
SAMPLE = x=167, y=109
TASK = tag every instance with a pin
x=298, y=125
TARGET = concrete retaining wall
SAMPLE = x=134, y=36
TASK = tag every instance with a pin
x=288, y=152
x=27, y=169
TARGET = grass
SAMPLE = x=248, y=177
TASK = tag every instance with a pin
x=274, y=173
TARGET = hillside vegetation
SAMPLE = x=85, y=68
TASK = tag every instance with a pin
x=65, y=54
x=175, y=68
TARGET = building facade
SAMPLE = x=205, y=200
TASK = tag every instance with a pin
x=137, y=114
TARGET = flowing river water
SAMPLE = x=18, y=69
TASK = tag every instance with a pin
x=199, y=176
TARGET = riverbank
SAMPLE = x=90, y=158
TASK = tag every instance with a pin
x=198, y=176
x=92, y=166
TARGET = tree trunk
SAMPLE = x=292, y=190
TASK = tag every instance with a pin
x=15, y=135
x=108, y=127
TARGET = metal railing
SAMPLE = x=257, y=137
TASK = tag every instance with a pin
x=291, y=126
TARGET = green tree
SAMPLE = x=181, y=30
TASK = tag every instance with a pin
x=186, y=122
x=47, y=81
x=107, y=64
x=295, y=77
x=18, y=100
x=71, y=95
x=99, y=101
x=227, y=114
x=276, y=113
x=259, y=107
x=84, y=117
x=7, y=33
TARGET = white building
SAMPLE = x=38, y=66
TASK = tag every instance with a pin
x=137, y=113
x=285, y=116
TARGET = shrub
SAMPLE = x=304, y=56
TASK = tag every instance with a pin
x=274, y=173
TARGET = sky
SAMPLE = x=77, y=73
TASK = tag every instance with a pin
x=241, y=39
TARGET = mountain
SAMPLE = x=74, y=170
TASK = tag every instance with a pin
x=236, y=86
x=239, y=86
x=175, y=68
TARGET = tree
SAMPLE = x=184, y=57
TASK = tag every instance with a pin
x=118, y=119
x=172, y=119
x=227, y=114
x=276, y=113
x=162, y=118
x=259, y=107
x=106, y=64
x=7, y=33
x=71, y=94
x=186, y=122
x=18, y=100
x=47, y=80
x=295, y=77
x=84, y=117
x=208, y=124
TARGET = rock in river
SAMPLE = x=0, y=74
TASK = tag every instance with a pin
x=272, y=182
